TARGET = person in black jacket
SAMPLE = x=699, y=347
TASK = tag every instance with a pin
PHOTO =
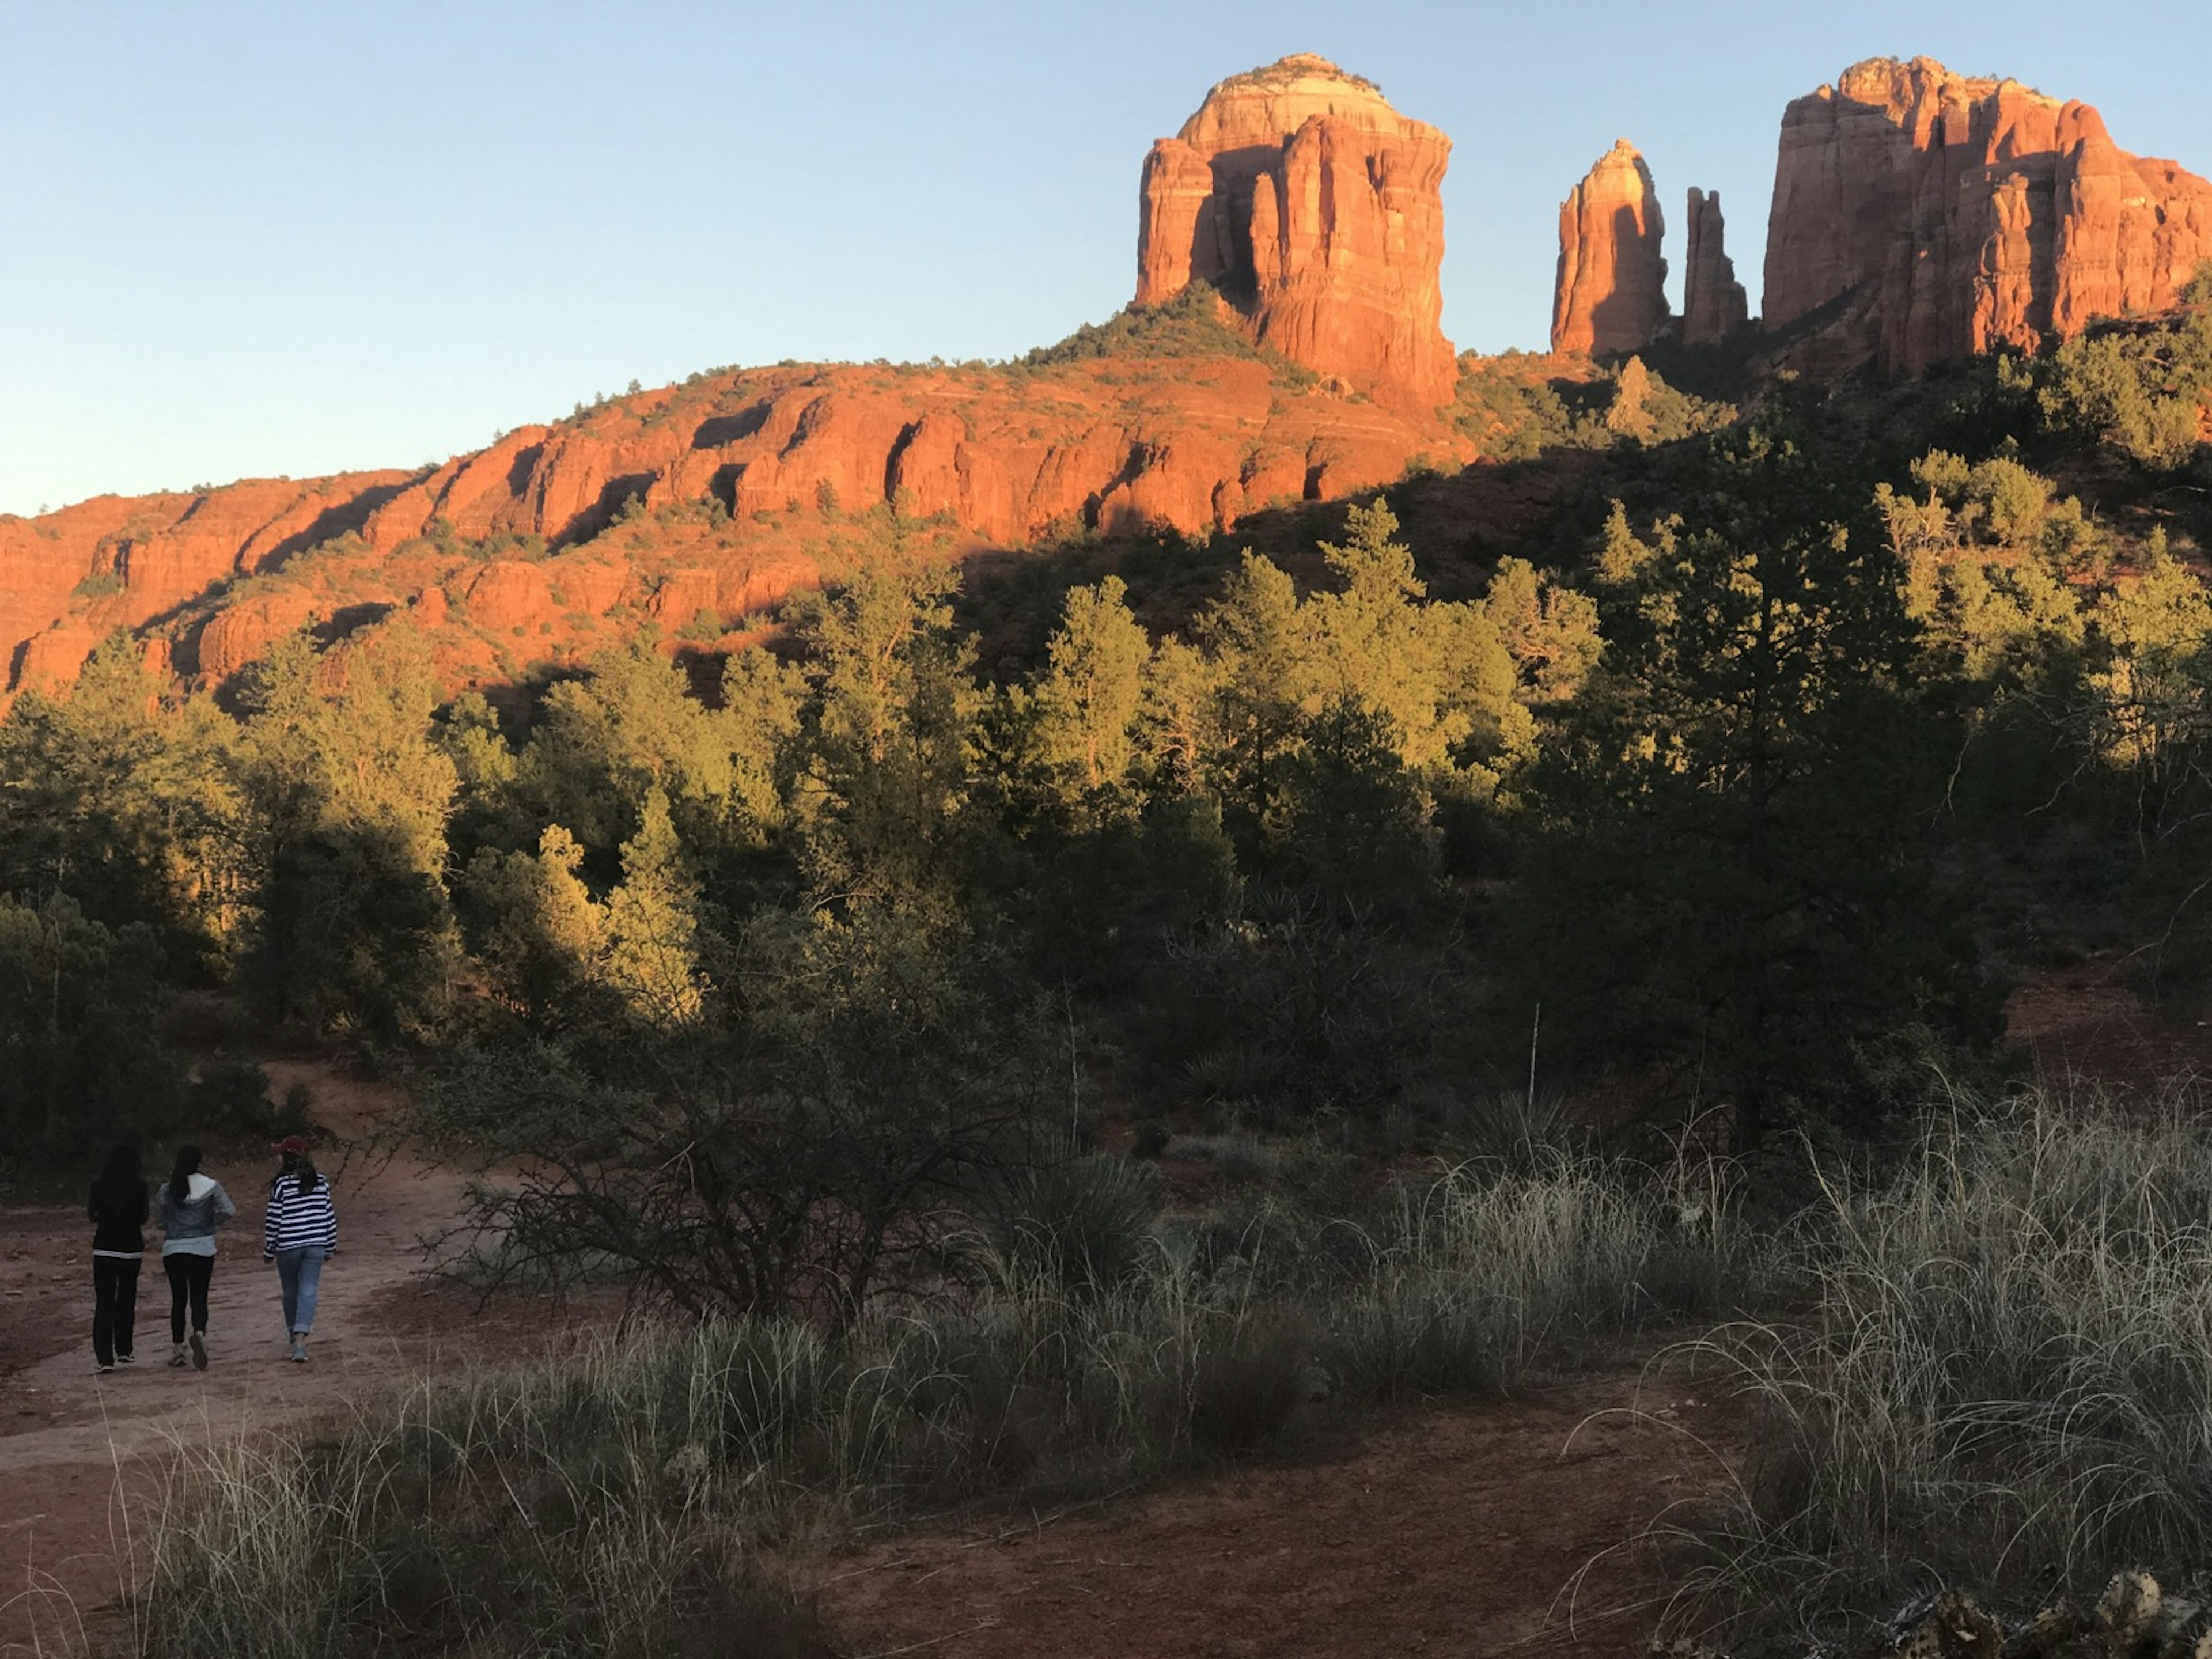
x=117, y=1213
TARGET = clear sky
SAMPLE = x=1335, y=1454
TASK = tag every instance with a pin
x=239, y=240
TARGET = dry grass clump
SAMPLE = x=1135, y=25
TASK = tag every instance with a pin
x=2003, y=1379
x=633, y=1497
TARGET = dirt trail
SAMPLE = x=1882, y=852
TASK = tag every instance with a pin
x=1510, y=1528
x=74, y=1443
x=1522, y=1527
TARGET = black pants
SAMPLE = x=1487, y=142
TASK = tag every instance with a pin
x=114, y=1306
x=188, y=1278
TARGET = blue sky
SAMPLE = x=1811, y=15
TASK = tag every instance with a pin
x=244, y=239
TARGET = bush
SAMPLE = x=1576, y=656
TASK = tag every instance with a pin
x=2000, y=1378
x=1084, y=1223
x=1191, y=322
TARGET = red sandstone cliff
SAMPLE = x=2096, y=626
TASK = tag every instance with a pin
x=1941, y=215
x=1611, y=291
x=739, y=481
x=1714, y=304
x=1314, y=207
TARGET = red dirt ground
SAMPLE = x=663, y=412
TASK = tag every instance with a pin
x=1514, y=1528
x=73, y=1444
x=1518, y=1528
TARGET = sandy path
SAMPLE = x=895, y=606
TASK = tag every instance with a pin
x=80, y=1455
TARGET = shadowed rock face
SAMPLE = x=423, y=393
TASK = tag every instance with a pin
x=1611, y=292
x=1941, y=215
x=1314, y=207
x=1714, y=304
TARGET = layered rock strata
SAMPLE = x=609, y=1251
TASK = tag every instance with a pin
x=1714, y=304
x=1920, y=215
x=1611, y=291
x=1315, y=209
x=711, y=497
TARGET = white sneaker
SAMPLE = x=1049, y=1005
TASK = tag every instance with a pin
x=177, y=1360
x=299, y=1349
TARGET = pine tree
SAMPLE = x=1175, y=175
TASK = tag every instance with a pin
x=1090, y=696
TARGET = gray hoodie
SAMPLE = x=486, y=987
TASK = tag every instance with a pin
x=188, y=1226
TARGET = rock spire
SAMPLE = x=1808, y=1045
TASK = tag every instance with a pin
x=1314, y=207
x=1611, y=293
x=1714, y=304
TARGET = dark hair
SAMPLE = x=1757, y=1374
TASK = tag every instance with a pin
x=121, y=1167
x=181, y=1173
x=302, y=1168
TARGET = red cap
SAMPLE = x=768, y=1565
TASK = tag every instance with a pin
x=293, y=1144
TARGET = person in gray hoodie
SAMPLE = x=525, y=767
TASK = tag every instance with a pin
x=189, y=1206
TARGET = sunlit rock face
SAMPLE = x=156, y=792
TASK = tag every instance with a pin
x=1315, y=207
x=1920, y=215
x=1611, y=291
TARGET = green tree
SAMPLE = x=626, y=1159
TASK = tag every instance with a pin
x=79, y=1059
x=1736, y=878
x=126, y=800
x=1089, y=697
x=351, y=791
x=653, y=925
x=884, y=747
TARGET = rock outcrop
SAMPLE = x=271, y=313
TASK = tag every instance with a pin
x=1611, y=291
x=1714, y=304
x=1315, y=209
x=712, y=496
x=1925, y=215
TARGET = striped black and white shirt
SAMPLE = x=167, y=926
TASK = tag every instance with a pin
x=298, y=1220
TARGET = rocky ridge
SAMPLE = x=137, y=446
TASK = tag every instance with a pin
x=718, y=497
x=1315, y=209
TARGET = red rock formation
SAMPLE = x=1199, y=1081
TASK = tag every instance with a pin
x=591, y=586
x=1941, y=215
x=241, y=634
x=744, y=477
x=508, y=594
x=1314, y=207
x=126, y=561
x=54, y=658
x=1714, y=304
x=990, y=458
x=684, y=594
x=1611, y=292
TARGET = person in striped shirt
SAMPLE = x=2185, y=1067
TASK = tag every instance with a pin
x=299, y=1233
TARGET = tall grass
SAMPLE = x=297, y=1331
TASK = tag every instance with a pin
x=2003, y=1379
x=633, y=1497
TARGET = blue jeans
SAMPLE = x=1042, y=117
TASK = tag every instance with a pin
x=299, y=1272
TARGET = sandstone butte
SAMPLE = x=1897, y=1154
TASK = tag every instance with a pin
x=1611, y=292
x=1942, y=215
x=1314, y=208
x=1714, y=304
x=695, y=507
